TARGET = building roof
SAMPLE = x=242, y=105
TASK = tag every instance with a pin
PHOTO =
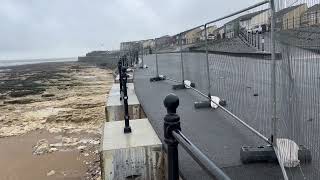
x=284, y=11
x=251, y=15
x=313, y=8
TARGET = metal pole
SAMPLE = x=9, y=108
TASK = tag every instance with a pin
x=155, y=45
x=142, y=52
x=171, y=123
x=207, y=59
x=213, y=170
x=274, y=91
x=273, y=76
x=181, y=59
x=120, y=76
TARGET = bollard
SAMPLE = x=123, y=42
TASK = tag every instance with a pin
x=262, y=43
x=120, y=76
x=252, y=38
x=258, y=40
x=127, y=128
x=255, y=40
x=171, y=123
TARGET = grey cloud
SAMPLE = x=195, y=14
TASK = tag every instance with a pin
x=57, y=28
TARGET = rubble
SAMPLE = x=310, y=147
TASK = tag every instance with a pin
x=42, y=147
x=52, y=172
x=79, y=108
x=70, y=105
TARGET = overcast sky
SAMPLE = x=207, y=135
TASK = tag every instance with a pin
x=66, y=28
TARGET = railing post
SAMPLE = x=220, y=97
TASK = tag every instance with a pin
x=127, y=128
x=171, y=123
x=120, y=75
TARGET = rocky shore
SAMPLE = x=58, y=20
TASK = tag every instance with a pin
x=60, y=105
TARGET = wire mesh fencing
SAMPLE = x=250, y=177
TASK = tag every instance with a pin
x=264, y=61
x=298, y=78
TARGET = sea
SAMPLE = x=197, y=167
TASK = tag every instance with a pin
x=5, y=63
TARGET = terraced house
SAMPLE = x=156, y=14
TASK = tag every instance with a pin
x=292, y=18
x=312, y=16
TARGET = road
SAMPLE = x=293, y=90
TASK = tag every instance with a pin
x=245, y=84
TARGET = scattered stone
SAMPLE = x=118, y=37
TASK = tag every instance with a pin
x=52, y=172
x=56, y=145
x=42, y=147
x=55, y=130
x=53, y=150
x=3, y=97
x=81, y=148
x=19, y=101
x=23, y=93
x=47, y=95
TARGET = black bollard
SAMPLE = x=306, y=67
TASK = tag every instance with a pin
x=171, y=123
x=127, y=128
x=120, y=76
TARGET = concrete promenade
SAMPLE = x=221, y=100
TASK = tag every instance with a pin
x=215, y=133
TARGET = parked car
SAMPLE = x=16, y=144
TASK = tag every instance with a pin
x=257, y=29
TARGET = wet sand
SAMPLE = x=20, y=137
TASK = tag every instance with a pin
x=18, y=162
x=50, y=120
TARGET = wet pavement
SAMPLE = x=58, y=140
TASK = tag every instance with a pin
x=245, y=84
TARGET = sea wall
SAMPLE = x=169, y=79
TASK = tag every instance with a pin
x=109, y=61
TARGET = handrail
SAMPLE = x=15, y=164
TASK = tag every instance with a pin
x=213, y=170
x=173, y=136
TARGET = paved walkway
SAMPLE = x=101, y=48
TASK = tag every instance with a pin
x=212, y=131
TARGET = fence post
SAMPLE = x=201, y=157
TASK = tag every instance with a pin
x=207, y=58
x=158, y=77
x=171, y=123
x=127, y=128
x=142, y=52
x=274, y=91
x=181, y=58
x=155, y=48
x=120, y=75
x=273, y=75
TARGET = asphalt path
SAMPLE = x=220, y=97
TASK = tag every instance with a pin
x=245, y=84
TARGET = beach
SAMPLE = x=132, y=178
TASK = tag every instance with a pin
x=50, y=120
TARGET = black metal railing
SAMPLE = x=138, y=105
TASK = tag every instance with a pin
x=173, y=137
x=123, y=79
